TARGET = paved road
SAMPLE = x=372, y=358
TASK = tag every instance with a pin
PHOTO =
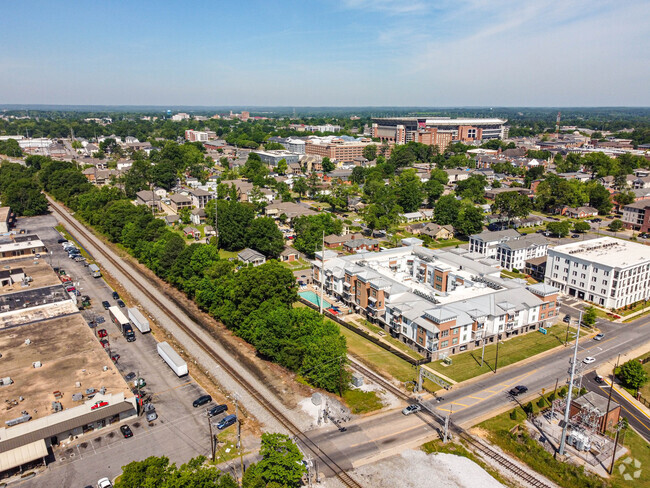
x=638, y=419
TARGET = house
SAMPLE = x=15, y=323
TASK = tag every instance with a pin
x=290, y=209
x=250, y=256
x=209, y=231
x=243, y=188
x=492, y=193
x=412, y=217
x=172, y=219
x=355, y=245
x=334, y=240
x=200, y=197
x=456, y=175
x=179, y=202
x=438, y=232
x=197, y=216
x=579, y=213
x=192, y=231
x=289, y=254
x=148, y=198
x=530, y=221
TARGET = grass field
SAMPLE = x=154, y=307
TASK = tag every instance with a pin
x=362, y=401
x=390, y=340
x=223, y=254
x=468, y=364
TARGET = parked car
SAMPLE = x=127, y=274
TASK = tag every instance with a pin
x=518, y=390
x=150, y=412
x=62, y=241
x=411, y=409
x=104, y=343
x=115, y=357
x=104, y=483
x=217, y=409
x=102, y=333
x=202, y=400
x=130, y=376
x=126, y=431
x=589, y=360
x=121, y=303
x=575, y=236
x=599, y=337
x=106, y=305
x=227, y=422
x=116, y=295
x=598, y=378
x=566, y=319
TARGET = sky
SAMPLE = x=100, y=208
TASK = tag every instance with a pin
x=429, y=53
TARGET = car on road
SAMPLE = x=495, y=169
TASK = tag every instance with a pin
x=106, y=305
x=598, y=378
x=518, y=390
x=102, y=333
x=575, y=236
x=104, y=483
x=126, y=431
x=116, y=295
x=643, y=236
x=130, y=376
x=596, y=220
x=202, y=400
x=411, y=409
x=599, y=337
x=115, y=357
x=121, y=303
x=566, y=319
x=217, y=409
x=227, y=422
x=589, y=360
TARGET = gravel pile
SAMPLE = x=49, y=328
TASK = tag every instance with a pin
x=415, y=469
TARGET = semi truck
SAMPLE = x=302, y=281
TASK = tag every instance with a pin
x=122, y=323
x=173, y=360
x=94, y=271
x=139, y=320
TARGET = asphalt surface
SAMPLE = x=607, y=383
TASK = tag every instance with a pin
x=638, y=419
x=180, y=432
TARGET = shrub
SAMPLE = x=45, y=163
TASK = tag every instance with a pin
x=541, y=403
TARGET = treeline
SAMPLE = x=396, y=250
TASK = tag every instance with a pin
x=256, y=303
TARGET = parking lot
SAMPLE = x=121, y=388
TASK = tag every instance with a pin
x=180, y=432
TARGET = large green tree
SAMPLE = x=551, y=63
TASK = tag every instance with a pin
x=300, y=187
x=309, y=231
x=472, y=188
x=469, y=221
x=633, y=375
x=409, y=190
x=446, y=210
x=512, y=204
x=264, y=236
x=281, y=461
x=233, y=221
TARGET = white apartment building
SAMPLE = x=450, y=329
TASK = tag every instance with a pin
x=510, y=248
x=439, y=302
x=606, y=271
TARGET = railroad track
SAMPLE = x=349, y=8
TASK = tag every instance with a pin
x=486, y=451
x=338, y=471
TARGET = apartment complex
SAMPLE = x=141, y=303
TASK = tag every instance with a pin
x=199, y=135
x=273, y=157
x=344, y=150
x=437, y=131
x=609, y=272
x=508, y=247
x=438, y=302
x=636, y=216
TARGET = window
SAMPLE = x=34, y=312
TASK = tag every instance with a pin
x=444, y=343
x=454, y=340
x=444, y=333
x=404, y=330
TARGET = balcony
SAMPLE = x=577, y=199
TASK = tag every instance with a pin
x=346, y=284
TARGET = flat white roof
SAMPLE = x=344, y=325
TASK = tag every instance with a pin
x=608, y=251
x=464, y=121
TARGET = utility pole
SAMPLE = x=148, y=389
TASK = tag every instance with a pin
x=322, y=273
x=568, y=398
x=483, y=352
x=211, y=436
x=609, y=397
x=239, y=444
x=496, y=361
x=618, y=431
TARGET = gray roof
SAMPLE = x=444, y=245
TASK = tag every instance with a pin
x=249, y=254
x=489, y=236
x=593, y=400
x=526, y=241
x=178, y=198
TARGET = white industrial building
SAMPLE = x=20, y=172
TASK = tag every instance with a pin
x=606, y=271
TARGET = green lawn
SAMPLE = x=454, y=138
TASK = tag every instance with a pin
x=298, y=265
x=227, y=254
x=645, y=389
x=397, y=344
x=467, y=364
x=362, y=401
x=447, y=243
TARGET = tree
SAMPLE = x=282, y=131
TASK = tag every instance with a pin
x=512, y=204
x=24, y=197
x=273, y=146
x=10, y=147
x=600, y=198
x=560, y=229
x=581, y=227
x=233, y=222
x=409, y=191
x=589, y=316
x=309, y=231
x=472, y=188
x=439, y=175
x=370, y=152
x=328, y=165
x=282, y=166
x=433, y=190
x=300, y=187
x=624, y=198
x=446, y=210
x=264, y=236
x=469, y=220
x=358, y=175
x=281, y=461
x=633, y=375
x=615, y=225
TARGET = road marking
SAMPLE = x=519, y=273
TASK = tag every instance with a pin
x=389, y=435
x=476, y=398
x=623, y=396
x=461, y=404
x=171, y=389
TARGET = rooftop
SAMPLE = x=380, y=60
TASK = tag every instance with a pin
x=41, y=274
x=68, y=352
x=607, y=251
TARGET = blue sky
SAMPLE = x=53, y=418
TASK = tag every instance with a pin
x=327, y=53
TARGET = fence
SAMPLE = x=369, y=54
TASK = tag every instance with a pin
x=365, y=335
x=644, y=401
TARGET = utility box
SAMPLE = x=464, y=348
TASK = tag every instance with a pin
x=357, y=380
